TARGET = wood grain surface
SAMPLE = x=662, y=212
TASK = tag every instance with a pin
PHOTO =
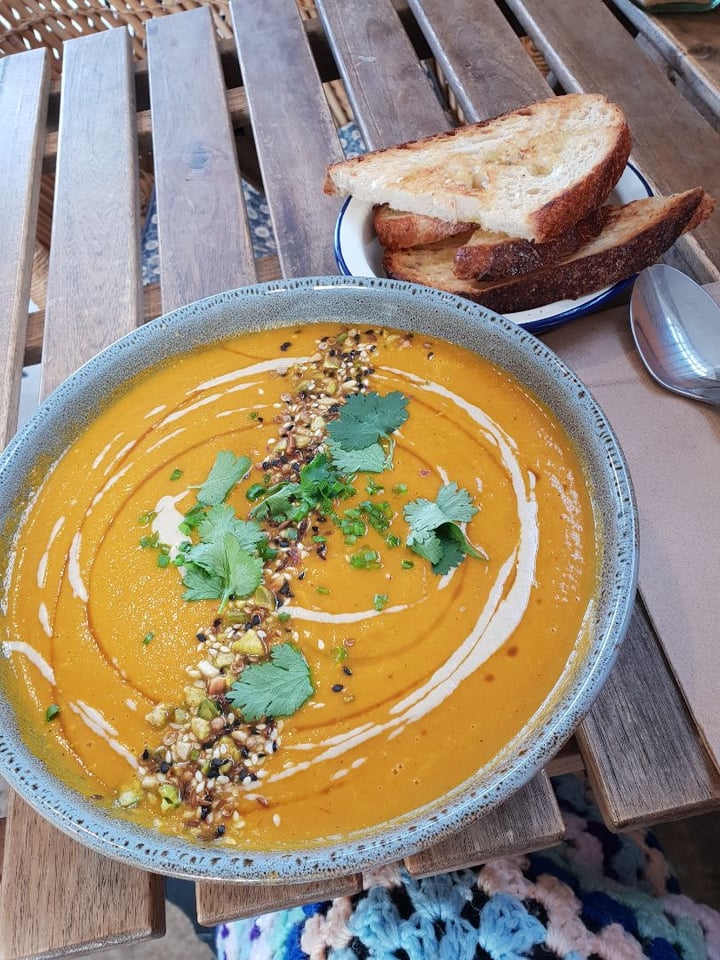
x=79, y=901
x=294, y=133
x=640, y=746
x=589, y=49
x=203, y=234
x=94, y=296
x=379, y=65
x=529, y=820
x=487, y=67
x=218, y=903
x=94, y=292
x=688, y=43
x=23, y=107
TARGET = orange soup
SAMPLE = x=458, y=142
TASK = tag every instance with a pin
x=298, y=583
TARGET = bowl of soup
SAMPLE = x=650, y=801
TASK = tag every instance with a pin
x=303, y=577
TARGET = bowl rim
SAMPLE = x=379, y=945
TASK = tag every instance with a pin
x=149, y=849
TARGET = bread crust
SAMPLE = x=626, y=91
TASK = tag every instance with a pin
x=481, y=258
x=599, y=263
x=397, y=230
x=445, y=177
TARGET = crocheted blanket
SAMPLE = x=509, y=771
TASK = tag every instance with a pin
x=596, y=895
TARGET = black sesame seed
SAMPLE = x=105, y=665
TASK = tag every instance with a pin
x=347, y=671
x=301, y=575
x=202, y=637
x=217, y=622
x=337, y=687
x=164, y=766
x=275, y=746
x=285, y=346
x=244, y=753
x=145, y=754
x=204, y=811
x=256, y=620
x=220, y=830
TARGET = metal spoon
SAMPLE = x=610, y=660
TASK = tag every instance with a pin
x=676, y=326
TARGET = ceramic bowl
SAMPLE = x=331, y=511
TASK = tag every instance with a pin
x=353, y=301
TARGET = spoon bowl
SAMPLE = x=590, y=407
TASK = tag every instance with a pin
x=676, y=327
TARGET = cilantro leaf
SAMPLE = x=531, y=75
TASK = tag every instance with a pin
x=225, y=473
x=366, y=417
x=434, y=531
x=319, y=484
x=370, y=459
x=276, y=688
x=242, y=572
x=221, y=519
x=278, y=504
x=201, y=585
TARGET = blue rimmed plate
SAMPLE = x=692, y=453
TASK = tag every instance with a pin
x=358, y=254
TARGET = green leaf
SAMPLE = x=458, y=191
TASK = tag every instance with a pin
x=242, y=572
x=276, y=688
x=370, y=459
x=225, y=473
x=366, y=417
x=434, y=531
x=201, y=585
x=221, y=519
x=52, y=711
x=279, y=504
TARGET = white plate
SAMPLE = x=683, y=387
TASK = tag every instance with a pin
x=359, y=254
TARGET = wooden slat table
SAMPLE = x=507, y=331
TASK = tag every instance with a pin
x=186, y=110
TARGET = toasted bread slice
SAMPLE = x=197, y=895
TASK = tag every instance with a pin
x=529, y=173
x=488, y=256
x=398, y=229
x=635, y=235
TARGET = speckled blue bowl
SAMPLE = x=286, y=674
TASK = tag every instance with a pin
x=355, y=301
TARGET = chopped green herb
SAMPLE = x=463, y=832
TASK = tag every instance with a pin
x=52, y=711
x=372, y=487
x=392, y=541
x=400, y=488
x=253, y=415
x=146, y=518
x=176, y=474
x=339, y=654
x=319, y=539
x=149, y=541
x=226, y=472
x=256, y=491
x=148, y=638
x=407, y=564
x=318, y=486
x=365, y=560
x=380, y=601
x=434, y=531
x=283, y=617
x=163, y=560
x=276, y=688
x=323, y=590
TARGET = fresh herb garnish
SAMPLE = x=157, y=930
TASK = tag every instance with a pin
x=359, y=440
x=434, y=531
x=226, y=472
x=366, y=418
x=148, y=638
x=52, y=711
x=176, y=474
x=365, y=560
x=220, y=568
x=276, y=688
x=320, y=483
x=380, y=601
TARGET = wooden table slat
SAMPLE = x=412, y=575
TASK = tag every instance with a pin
x=588, y=49
x=200, y=208
x=294, y=134
x=94, y=296
x=23, y=107
x=641, y=717
x=378, y=63
x=688, y=43
x=488, y=69
x=218, y=903
x=96, y=185
x=529, y=820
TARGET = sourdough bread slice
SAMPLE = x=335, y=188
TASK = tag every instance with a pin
x=490, y=256
x=529, y=173
x=398, y=229
x=635, y=235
